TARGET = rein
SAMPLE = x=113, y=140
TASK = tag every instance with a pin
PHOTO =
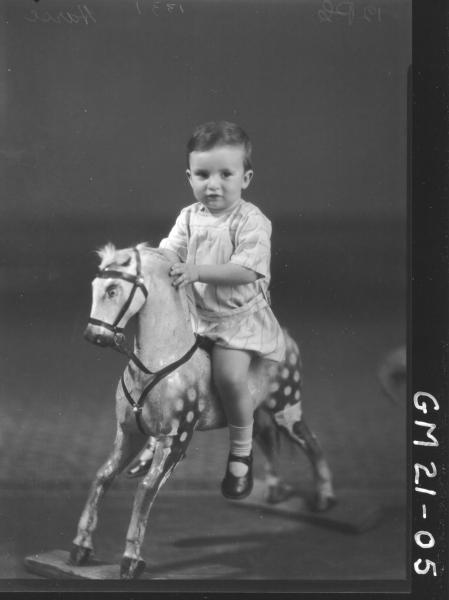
x=137, y=406
x=120, y=341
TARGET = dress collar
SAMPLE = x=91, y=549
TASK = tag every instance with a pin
x=204, y=210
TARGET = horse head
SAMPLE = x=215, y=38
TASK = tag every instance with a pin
x=118, y=292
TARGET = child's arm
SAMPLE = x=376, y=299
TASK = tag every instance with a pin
x=249, y=261
x=176, y=241
x=227, y=274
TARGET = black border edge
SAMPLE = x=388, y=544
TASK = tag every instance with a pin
x=428, y=393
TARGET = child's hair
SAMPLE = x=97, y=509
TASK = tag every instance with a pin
x=220, y=133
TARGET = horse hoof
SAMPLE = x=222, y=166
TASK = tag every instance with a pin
x=131, y=568
x=79, y=555
x=322, y=503
x=278, y=493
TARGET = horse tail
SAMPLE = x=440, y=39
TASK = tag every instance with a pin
x=392, y=373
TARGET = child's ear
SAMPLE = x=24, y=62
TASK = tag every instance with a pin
x=247, y=176
x=189, y=176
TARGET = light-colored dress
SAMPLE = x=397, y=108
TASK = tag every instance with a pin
x=233, y=316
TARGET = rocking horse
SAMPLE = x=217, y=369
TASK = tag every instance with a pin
x=166, y=392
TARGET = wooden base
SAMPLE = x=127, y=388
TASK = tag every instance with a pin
x=53, y=565
x=354, y=512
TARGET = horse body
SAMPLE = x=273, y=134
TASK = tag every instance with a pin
x=184, y=400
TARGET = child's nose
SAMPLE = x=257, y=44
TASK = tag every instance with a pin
x=213, y=183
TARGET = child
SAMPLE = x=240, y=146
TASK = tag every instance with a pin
x=224, y=245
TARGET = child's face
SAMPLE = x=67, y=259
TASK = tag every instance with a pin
x=218, y=176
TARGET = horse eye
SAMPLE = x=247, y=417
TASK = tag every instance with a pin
x=111, y=292
x=127, y=262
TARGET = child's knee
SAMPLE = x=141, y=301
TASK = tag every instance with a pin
x=230, y=369
x=231, y=380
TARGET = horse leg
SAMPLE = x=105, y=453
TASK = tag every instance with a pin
x=266, y=434
x=126, y=446
x=324, y=491
x=143, y=465
x=169, y=451
x=293, y=423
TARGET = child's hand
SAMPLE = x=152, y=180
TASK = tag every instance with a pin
x=183, y=274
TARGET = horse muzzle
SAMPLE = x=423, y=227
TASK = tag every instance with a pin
x=99, y=335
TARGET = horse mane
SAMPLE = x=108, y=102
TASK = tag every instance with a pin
x=187, y=292
x=111, y=256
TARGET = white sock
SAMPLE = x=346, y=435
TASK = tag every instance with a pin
x=241, y=442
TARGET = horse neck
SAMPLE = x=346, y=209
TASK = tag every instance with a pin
x=164, y=330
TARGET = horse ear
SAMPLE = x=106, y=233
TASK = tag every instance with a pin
x=143, y=245
x=106, y=253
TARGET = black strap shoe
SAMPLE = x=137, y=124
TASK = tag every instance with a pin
x=237, y=488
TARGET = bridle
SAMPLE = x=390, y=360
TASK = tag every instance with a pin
x=138, y=283
x=120, y=340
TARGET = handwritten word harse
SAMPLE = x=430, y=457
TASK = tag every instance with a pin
x=349, y=11
x=80, y=15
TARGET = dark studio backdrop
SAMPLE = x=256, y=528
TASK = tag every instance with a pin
x=94, y=119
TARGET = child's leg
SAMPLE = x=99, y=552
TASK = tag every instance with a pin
x=230, y=371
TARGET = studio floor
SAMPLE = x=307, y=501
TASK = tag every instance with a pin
x=195, y=534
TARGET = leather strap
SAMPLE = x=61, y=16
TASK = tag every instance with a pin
x=157, y=376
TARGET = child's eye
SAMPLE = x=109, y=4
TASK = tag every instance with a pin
x=201, y=174
x=227, y=174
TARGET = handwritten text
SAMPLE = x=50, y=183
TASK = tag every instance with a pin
x=158, y=8
x=424, y=539
x=80, y=15
x=348, y=11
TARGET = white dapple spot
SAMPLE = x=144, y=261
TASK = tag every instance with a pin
x=201, y=405
x=272, y=402
x=189, y=416
x=274, y=387
x=183, y=436
x=292, y=359
x=288, y=416
x=191, y=394
x=272, y=370
x=297, y=395
x=287, y=390
x=285, y=373
x=174, y=426
x=179, y=405
x=296, y=376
